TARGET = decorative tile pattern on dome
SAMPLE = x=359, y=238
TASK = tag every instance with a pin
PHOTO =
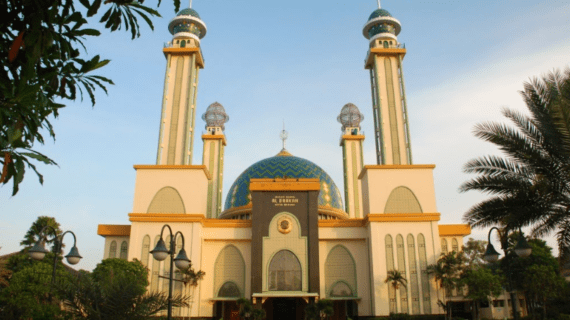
x=188, y=12
x=278, y=167
x=379, y=13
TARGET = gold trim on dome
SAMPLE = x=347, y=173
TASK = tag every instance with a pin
x=448, y=230
x=394, y=166
x=175, y=167
x=238, y=210
x=113, y=230
x=284, y=153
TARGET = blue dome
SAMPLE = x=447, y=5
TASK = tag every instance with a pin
x=283, y=165
x=188, y=12
x=379, y=13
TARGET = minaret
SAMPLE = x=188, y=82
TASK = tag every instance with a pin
x=351, y=142
x=184, y=60
x=213, y=156
x=384, y=60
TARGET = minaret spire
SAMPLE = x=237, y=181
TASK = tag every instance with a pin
x=191, y=4
x=379, y=6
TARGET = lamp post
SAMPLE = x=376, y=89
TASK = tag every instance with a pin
x=38, y=251
x=182, y=262
x=522, y=249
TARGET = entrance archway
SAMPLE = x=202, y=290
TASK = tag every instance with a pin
x=285, y=308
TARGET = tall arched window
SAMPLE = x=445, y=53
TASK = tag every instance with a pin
x=166, y=266
x=155, y=269
x=402, y=269
x=425, y=277
x=145, y=250
x=113, y=249
x=454, y=245
x=390, y=266
x=124, y=250
x=443, y=246
x=413, y=282
x=285, y=272
x=340, y=271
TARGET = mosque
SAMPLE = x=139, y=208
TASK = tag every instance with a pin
x=283, y=237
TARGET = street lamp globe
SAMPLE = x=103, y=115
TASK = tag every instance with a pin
x=38, y=251
x=181, y=261
x=491, y=255
x=73, y=257
x=160, y=252
x=523, y=249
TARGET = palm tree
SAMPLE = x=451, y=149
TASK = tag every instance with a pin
x=447, y=272
x=530, y=184
x=396, y=279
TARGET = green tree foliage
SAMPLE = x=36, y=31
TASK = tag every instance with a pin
x=541, y=284
x=33, y=233
x=530, y=185
x=29, y=294
x=482, y=285
x=396, y=279
x=114, y=268
x=45, y=64
x=113, y=291
x=473, y=252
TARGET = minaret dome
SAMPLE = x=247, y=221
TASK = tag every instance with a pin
x=381, y=24
x=187, y=24
x=350, y=117
x=215, y=116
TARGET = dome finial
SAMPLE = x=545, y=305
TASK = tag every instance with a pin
x=284, y=135
x=379, y=7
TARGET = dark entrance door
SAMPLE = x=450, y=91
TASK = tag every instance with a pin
x=285, y=308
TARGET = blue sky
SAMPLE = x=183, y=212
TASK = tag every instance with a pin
x=297, y=61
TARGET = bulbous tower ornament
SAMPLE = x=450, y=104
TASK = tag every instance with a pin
x=215, y=116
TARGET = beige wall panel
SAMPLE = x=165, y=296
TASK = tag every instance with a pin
x=377, y=232
x=191, y=184
x=342, y=233
x=384, y=111
x=359, y=251
x=399, y=110
x=183, y=128
x=381, y=182
x=364, y=182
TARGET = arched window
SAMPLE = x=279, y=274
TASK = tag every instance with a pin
x=413, y=282
x=183, y=44
x=425, y=277
x=443, y=246
x=155, y=269
x=145, y=250
x=229, y=268
x=390, y=266
x=284, y=272
x=339, y=268
x=454, y=245
x=386, y=44
x=124, y=250
x=229, y=290
x=402, y=269
x=113, y=249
